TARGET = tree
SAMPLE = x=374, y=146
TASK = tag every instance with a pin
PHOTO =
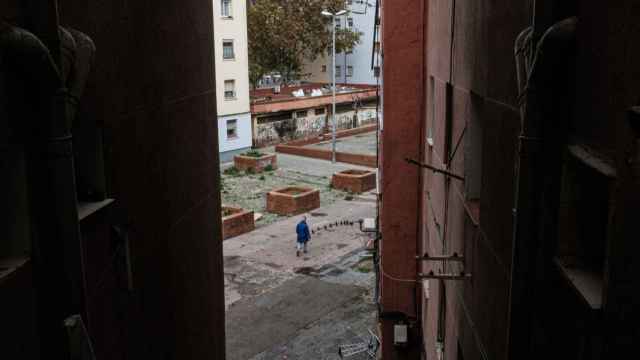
x=283, y=34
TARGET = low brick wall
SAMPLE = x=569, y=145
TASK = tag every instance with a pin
x=355, y=181
x=240, y=221
x=349, y=158
x=292, y=200
x=339, y=134
x=242, y=162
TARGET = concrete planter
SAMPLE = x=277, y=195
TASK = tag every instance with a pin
x=292, y=200
x=355, y=181
x=236, y=221
x=244, y=162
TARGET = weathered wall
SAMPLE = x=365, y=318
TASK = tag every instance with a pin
x=401, y=138
x=471, y=80
x=277, y=132
x=153, y=89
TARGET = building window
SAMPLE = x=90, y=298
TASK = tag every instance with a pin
x=338, y=71
x=301, y=114
x=225, y=8
x=338, y=25
x=232, y=129
x=229, y=89
x=324, y=68
x=227, y=50
x=349, y=71
x=432, y=113
x=376, y=46
x=319, y=111
x=349, y=23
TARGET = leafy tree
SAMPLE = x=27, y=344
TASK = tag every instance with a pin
x=283, y=34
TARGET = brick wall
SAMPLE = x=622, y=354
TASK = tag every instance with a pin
x=282, y=203
x=354, y=182
x=356, y=159
x=238, y=223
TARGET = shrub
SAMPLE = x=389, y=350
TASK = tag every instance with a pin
x=269, y=167
x=233, y=171
x=253, y=153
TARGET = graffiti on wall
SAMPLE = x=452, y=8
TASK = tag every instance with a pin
x=277, y=132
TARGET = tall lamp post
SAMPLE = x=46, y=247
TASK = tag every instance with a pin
x=333, y=57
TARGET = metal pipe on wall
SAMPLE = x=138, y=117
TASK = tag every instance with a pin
x=529, y=178
x=41, y=111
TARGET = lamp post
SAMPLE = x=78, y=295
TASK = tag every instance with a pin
x=333, y=72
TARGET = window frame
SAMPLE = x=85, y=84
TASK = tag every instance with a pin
x=229, y=9
x=349, y=72
x=338, y=70
x=233, y=50
x=233, y=92
x=234, y=128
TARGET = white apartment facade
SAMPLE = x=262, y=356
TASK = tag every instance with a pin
x=232, y=77
x=351, y=67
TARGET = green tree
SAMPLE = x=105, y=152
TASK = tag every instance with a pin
x=283, y=34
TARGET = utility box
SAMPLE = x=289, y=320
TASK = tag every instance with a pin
x=400, y=336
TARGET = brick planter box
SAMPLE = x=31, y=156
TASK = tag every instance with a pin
x=355, y=181
x=292, y=200
x=244, y=162
x=236, y=221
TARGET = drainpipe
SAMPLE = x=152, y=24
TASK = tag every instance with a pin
x=536, y=112
x=40, y=110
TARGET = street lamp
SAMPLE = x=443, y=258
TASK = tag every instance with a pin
x=333, y=57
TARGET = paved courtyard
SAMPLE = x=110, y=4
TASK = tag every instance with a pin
x=358, y=144
x=280, y=306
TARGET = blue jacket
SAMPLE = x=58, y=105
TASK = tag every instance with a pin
x=303, y=232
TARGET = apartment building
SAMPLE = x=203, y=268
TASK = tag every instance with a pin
x=355, y=66
x=512, y=231
x=232, y=76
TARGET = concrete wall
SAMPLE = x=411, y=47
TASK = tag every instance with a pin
x=306, y=127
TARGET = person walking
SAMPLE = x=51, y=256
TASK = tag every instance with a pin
x=302, y=230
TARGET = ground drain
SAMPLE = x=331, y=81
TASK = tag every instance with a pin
x=305, y=270
x=318, y=214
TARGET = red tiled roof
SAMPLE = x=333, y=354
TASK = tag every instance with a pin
x=265, y=101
